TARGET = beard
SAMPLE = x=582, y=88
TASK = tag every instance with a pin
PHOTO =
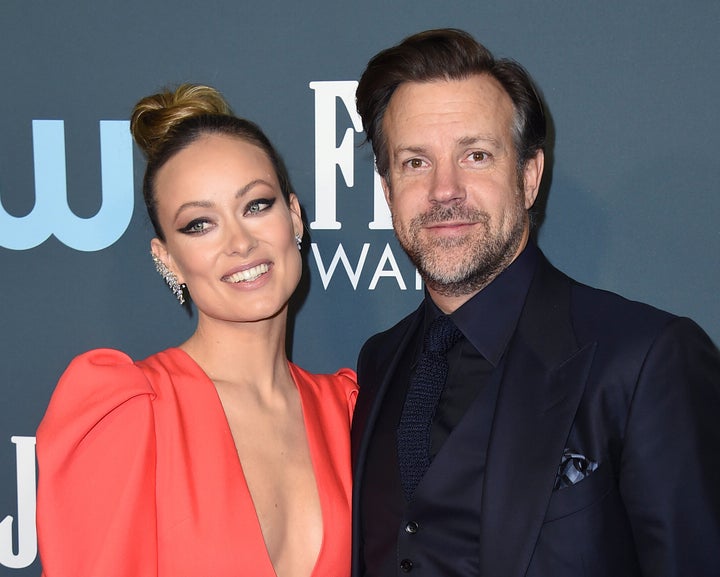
x=463, y=265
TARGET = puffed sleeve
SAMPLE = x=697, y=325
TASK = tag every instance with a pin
x=96, y=511
x=348, y=378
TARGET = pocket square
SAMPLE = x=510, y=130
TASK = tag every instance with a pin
x=573, y=468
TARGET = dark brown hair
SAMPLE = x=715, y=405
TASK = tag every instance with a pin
x=448, y=54
x=163, y=124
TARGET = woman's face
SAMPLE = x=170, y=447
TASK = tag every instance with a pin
x=229, y=234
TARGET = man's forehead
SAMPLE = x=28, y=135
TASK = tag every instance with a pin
x=444, y=101
x=473, y=111
x=483, y=85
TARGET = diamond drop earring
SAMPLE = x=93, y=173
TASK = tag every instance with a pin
x=298, y=240
x=170, y=278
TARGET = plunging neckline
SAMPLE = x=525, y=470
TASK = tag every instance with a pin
x=310, y=439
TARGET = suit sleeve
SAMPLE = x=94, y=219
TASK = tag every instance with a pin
x=364, y=399
x=670, y=466
x=96, y=490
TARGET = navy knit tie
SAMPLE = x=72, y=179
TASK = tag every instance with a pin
x=426, y=385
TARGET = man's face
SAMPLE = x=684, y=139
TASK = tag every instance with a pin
x=458, y=204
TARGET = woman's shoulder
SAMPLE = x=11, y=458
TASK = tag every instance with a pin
x=96, y=452
x=106, y=371
x=343, y=379
x=341, y=385
x=93, y=386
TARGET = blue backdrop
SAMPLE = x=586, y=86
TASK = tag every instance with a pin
x=632, y=199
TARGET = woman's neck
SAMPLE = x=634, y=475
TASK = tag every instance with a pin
x=250, y=354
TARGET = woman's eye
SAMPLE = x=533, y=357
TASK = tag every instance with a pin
x=195, y=226
x=259, y=205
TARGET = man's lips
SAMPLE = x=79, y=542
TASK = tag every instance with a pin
x=449, y=225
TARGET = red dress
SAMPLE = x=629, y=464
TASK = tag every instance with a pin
x=139, y=475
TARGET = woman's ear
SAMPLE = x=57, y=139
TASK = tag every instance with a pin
x=162, y=258
x=296, y=214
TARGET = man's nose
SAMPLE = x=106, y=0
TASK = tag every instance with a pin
x=446, y=183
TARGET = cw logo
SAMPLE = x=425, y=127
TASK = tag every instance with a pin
x=51, y=214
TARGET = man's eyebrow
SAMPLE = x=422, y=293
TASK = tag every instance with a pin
x=480, y=138
x=410, y=149
x=464, y=141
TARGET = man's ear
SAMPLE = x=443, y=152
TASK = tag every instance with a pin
x=532, y=176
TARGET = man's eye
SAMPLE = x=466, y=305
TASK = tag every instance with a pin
x=259, y=205
x=479, y=156
x=415, y=163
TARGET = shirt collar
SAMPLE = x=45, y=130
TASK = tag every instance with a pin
x=489, y=318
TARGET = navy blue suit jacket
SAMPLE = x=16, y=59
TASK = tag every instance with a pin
x=635, y=389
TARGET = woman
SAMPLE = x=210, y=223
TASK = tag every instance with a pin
x=218, y=457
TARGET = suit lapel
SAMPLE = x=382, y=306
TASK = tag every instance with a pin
x=376, y=384
x=373, y=388
x=544, y=379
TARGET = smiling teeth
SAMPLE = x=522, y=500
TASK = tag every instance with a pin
x=249, y=274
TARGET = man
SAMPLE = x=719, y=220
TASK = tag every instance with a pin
x=576, y=433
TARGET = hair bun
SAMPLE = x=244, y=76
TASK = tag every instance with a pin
x=155, y=117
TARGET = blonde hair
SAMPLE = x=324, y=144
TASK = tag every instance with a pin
x=155, y=117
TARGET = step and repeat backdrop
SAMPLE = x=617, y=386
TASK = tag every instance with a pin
x=631, y=200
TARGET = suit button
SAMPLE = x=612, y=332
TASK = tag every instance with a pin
x=412, y=527
x=406, y=565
